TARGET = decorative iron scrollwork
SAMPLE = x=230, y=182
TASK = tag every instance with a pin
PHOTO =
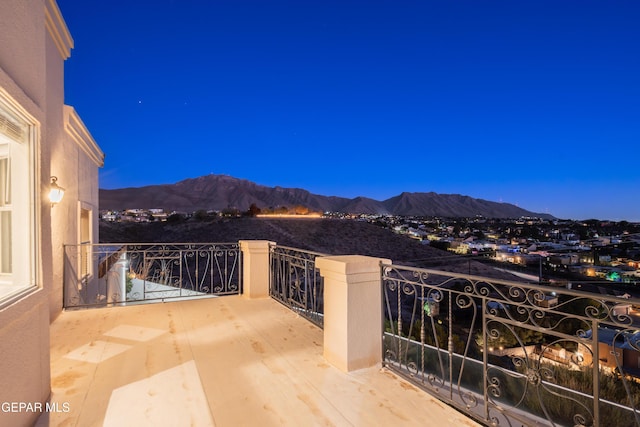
x=511, y=353
x=130, y=272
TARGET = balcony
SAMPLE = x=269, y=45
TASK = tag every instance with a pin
x=345, y=340
x=219, y=361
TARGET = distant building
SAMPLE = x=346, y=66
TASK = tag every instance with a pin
x=109, y=216
x=618, y=350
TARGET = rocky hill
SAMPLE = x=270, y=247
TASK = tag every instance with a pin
x=218, y=192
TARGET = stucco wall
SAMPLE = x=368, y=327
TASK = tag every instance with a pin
x=24, y=365
x=78, y=174
x=56, y=163
x=31, y=72
x=22, y=24
x=34, y=43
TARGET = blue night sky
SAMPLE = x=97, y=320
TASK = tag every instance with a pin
x=535, y=103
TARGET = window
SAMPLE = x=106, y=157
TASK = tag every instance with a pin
x=17, y=200
x=5, y=212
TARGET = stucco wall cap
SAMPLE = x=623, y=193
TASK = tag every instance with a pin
x=350, y=264
x=255, y=244
x=57, y=28
x=76, y=129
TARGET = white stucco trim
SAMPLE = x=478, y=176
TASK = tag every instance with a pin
x=57, y=28
x=75, y=128
x=17, y=111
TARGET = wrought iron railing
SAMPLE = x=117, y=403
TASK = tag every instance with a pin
x=510, y=354
x=296, y=282
x=116, y=274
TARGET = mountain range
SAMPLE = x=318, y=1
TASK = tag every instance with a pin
x=218, y=192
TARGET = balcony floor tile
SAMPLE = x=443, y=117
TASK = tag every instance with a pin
x=226, y=361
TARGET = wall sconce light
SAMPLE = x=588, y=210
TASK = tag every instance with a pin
x=55, y=191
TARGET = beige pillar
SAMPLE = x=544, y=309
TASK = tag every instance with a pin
x=255, y=268
x=352, y=311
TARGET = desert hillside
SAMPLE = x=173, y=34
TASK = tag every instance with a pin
x=330, y=236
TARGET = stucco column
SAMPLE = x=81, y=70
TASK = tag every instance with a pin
x=352, y=311
x=255, y=268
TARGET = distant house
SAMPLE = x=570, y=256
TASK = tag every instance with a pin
x=619, y=350
x=109, y=216
x=563, y=259
x=44, y=145
x=158, y=214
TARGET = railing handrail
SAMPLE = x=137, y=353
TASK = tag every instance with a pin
x=526, y=285
x=317, y=254
x=120, y=244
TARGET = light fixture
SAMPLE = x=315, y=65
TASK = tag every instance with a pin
x=55, y=191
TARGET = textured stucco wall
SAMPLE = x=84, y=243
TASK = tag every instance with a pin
x=34, y=42
x=21, y=27
x=31, y=70
x=78, y=174
x=24, y=365
x=58, y=162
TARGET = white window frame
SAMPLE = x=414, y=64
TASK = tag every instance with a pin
x=85, y=242
x=20, y=135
